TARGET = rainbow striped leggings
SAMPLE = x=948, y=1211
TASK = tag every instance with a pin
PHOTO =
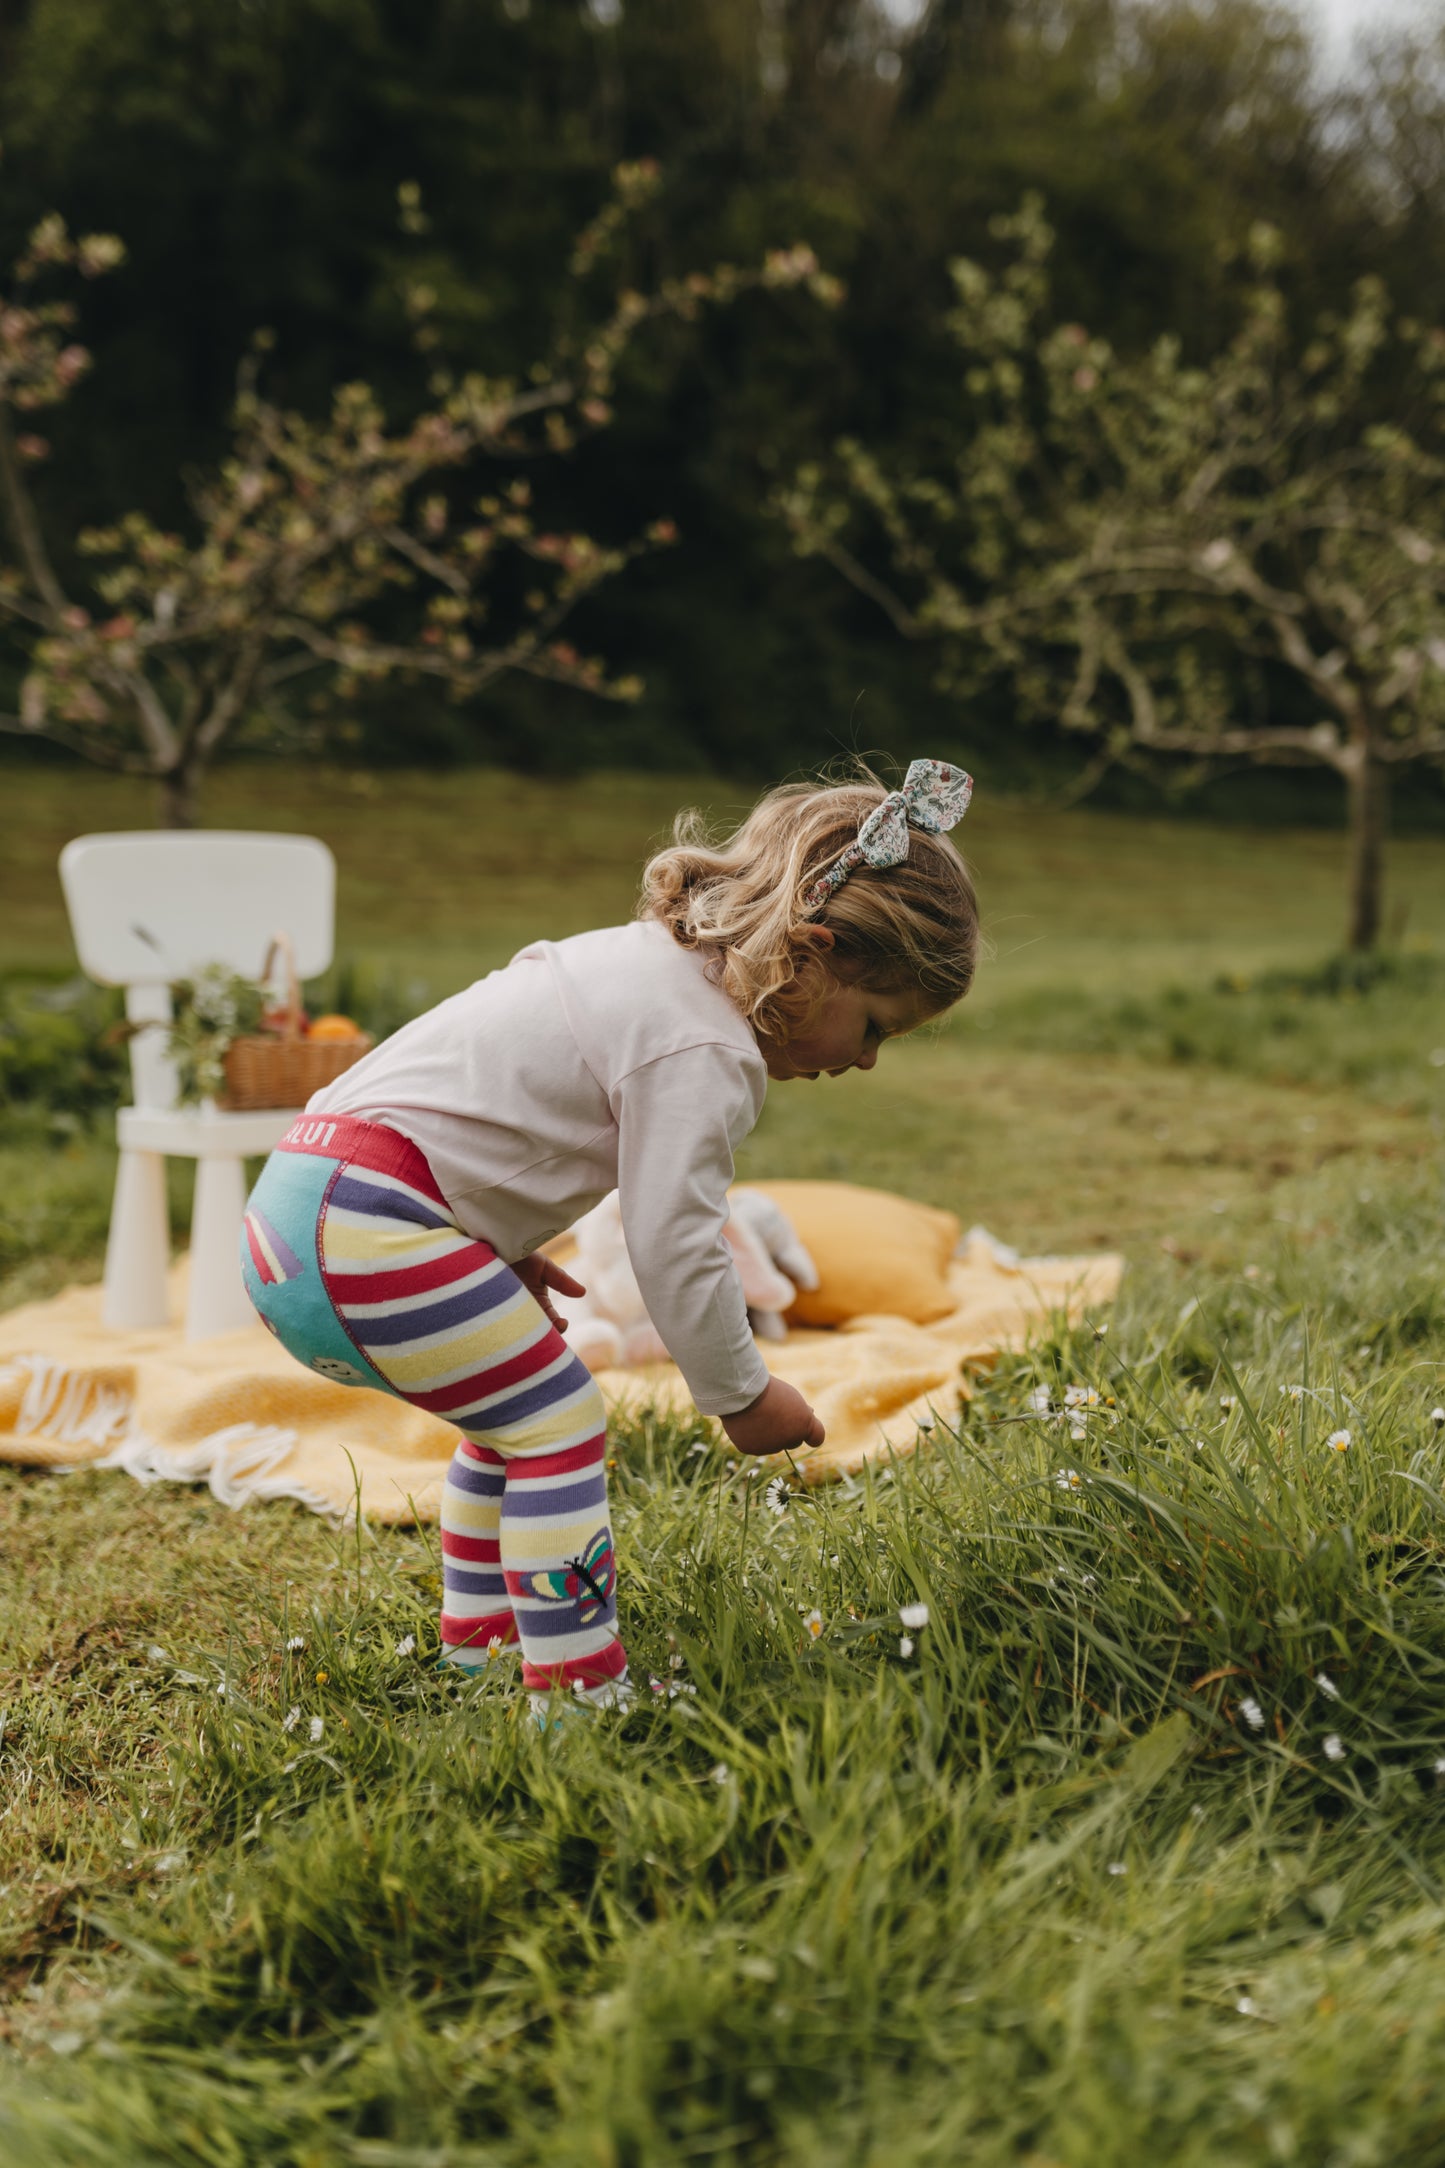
x=355, y=1262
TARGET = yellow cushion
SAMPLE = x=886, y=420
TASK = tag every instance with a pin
x=874, y=1252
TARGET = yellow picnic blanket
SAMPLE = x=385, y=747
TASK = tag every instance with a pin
x=238, y=1413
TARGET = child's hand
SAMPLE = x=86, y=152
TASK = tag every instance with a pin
x=779, y=1418
x=537, y=1273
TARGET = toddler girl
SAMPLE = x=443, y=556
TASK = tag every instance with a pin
x=393, y=1237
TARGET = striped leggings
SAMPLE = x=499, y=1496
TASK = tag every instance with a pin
x=354, y=1261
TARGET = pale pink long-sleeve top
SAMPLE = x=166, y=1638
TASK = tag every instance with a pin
x=608, y=1061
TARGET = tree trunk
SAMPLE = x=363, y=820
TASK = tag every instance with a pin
x=1368, y=783
x=179, y=792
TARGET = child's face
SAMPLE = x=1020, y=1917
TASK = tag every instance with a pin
x=844, y=1032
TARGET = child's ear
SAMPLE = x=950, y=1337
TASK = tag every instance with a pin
x=818, y=938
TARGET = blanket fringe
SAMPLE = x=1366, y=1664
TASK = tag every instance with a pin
x=66, y=1405
x=238, y=1464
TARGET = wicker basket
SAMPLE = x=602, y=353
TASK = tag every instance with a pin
x=283, y=1069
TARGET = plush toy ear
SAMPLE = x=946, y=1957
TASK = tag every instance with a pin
x=764, y=1287
x=773, y=1230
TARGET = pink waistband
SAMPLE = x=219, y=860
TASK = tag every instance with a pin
x=363, y=1144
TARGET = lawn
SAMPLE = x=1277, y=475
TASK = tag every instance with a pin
x=1137, y=1854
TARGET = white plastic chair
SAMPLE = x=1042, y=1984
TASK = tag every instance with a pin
x=147, y=908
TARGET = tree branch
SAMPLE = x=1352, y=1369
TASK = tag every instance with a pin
x=20, y=512
x=858, y=576
x=57, y=734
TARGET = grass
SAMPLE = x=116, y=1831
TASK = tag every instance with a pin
x=1042, y=1889
x=1139, y=1855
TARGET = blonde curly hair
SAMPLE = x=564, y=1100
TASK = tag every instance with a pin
x=739, y=901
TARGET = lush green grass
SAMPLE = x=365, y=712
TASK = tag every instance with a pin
x=1039, y=1891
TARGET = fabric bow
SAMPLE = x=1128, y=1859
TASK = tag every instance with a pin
x=934, y=797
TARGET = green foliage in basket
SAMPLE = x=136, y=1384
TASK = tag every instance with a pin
x=208, y=1012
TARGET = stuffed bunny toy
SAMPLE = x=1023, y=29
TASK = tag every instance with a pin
x=609, y=1325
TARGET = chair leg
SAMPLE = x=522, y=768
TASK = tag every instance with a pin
x=137, y=1249
x=218, y=1300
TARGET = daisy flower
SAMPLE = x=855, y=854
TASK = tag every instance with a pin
x=407, y=1645
x=777, y=1495
x=1338, y=1441
x=813, y=1624
x=1252, y=1713
x=1068, y=1479
x=317, y=1728
x=297, y=1641
x=1334, y=1747
x=291, y=1719
x=905, y=1645
x=913, y=1615
x=1327, y=1686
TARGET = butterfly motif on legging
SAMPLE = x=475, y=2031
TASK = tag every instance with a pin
x=587, y=1581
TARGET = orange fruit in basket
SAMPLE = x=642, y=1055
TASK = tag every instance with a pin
x=334, y=1027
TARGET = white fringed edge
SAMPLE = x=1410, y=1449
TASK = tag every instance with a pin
x=66, y=1405
x=237, y=1464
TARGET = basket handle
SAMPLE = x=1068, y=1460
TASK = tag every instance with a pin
x=281, y=944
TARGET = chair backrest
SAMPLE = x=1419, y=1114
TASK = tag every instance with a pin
x=149, y=906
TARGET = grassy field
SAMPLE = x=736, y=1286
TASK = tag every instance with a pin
x=1137, y=1855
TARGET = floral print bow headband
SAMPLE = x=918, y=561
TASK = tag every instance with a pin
x=934, y=797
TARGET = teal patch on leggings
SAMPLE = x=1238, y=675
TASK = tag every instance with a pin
x=287, y=1201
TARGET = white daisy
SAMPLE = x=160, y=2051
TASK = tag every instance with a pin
x=407, y=1645
x=913, y=1615
x=291, y=1719
x=296, y=1642
x=1437, y=1417
x=1252, y=1713
x=777, y=1495
x=905, y=1645
x=813, y=1624
x=1338, y=1441
x=1068, y=1479
x=1334, y=1747
x=317, y=1728
x=1327, y=1686
x=720, y=1772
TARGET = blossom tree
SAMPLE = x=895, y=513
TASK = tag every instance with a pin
x=341, y=551
x=1236, y=560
